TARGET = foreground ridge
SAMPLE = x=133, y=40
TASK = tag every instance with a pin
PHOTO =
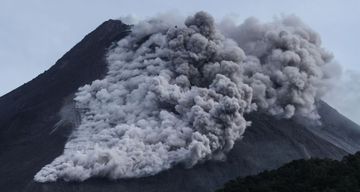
x=320, y=175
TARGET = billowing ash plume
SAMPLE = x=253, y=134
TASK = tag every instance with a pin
x=286, y=67
x=178, y=94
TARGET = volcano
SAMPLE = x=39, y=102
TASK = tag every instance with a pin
x=33, y=132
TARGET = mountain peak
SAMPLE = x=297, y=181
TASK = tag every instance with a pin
x=29, y=115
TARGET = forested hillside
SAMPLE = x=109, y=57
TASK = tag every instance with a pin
x=314, y=175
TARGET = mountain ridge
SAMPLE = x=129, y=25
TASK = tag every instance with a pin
x=29, y=114
x=44, y=96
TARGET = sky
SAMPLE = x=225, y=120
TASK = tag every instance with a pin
x=34, y=34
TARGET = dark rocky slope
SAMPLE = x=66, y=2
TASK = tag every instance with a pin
x=29, y=114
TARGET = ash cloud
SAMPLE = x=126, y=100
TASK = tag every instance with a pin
x=286, y=67
x=177, y=94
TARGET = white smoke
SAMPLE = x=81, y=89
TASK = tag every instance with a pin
x=176, y=94
x=130, y=19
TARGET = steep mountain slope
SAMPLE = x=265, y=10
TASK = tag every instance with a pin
x=31, y=137
x=29, y=113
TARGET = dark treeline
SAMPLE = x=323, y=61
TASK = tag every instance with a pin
x=313, y=175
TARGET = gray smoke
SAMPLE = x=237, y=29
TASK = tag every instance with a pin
x=178, y=94
x=286, y=66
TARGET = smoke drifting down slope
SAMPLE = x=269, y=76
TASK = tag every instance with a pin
x=178, y=94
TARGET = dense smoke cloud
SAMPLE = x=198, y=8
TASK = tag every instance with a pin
x=286, y=67
x=177, y=94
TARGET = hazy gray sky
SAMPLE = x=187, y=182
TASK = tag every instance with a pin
x=35, y=33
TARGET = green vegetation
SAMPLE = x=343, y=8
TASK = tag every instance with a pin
x=314, y=175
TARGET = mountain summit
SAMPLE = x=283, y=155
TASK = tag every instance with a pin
x=37, y=119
